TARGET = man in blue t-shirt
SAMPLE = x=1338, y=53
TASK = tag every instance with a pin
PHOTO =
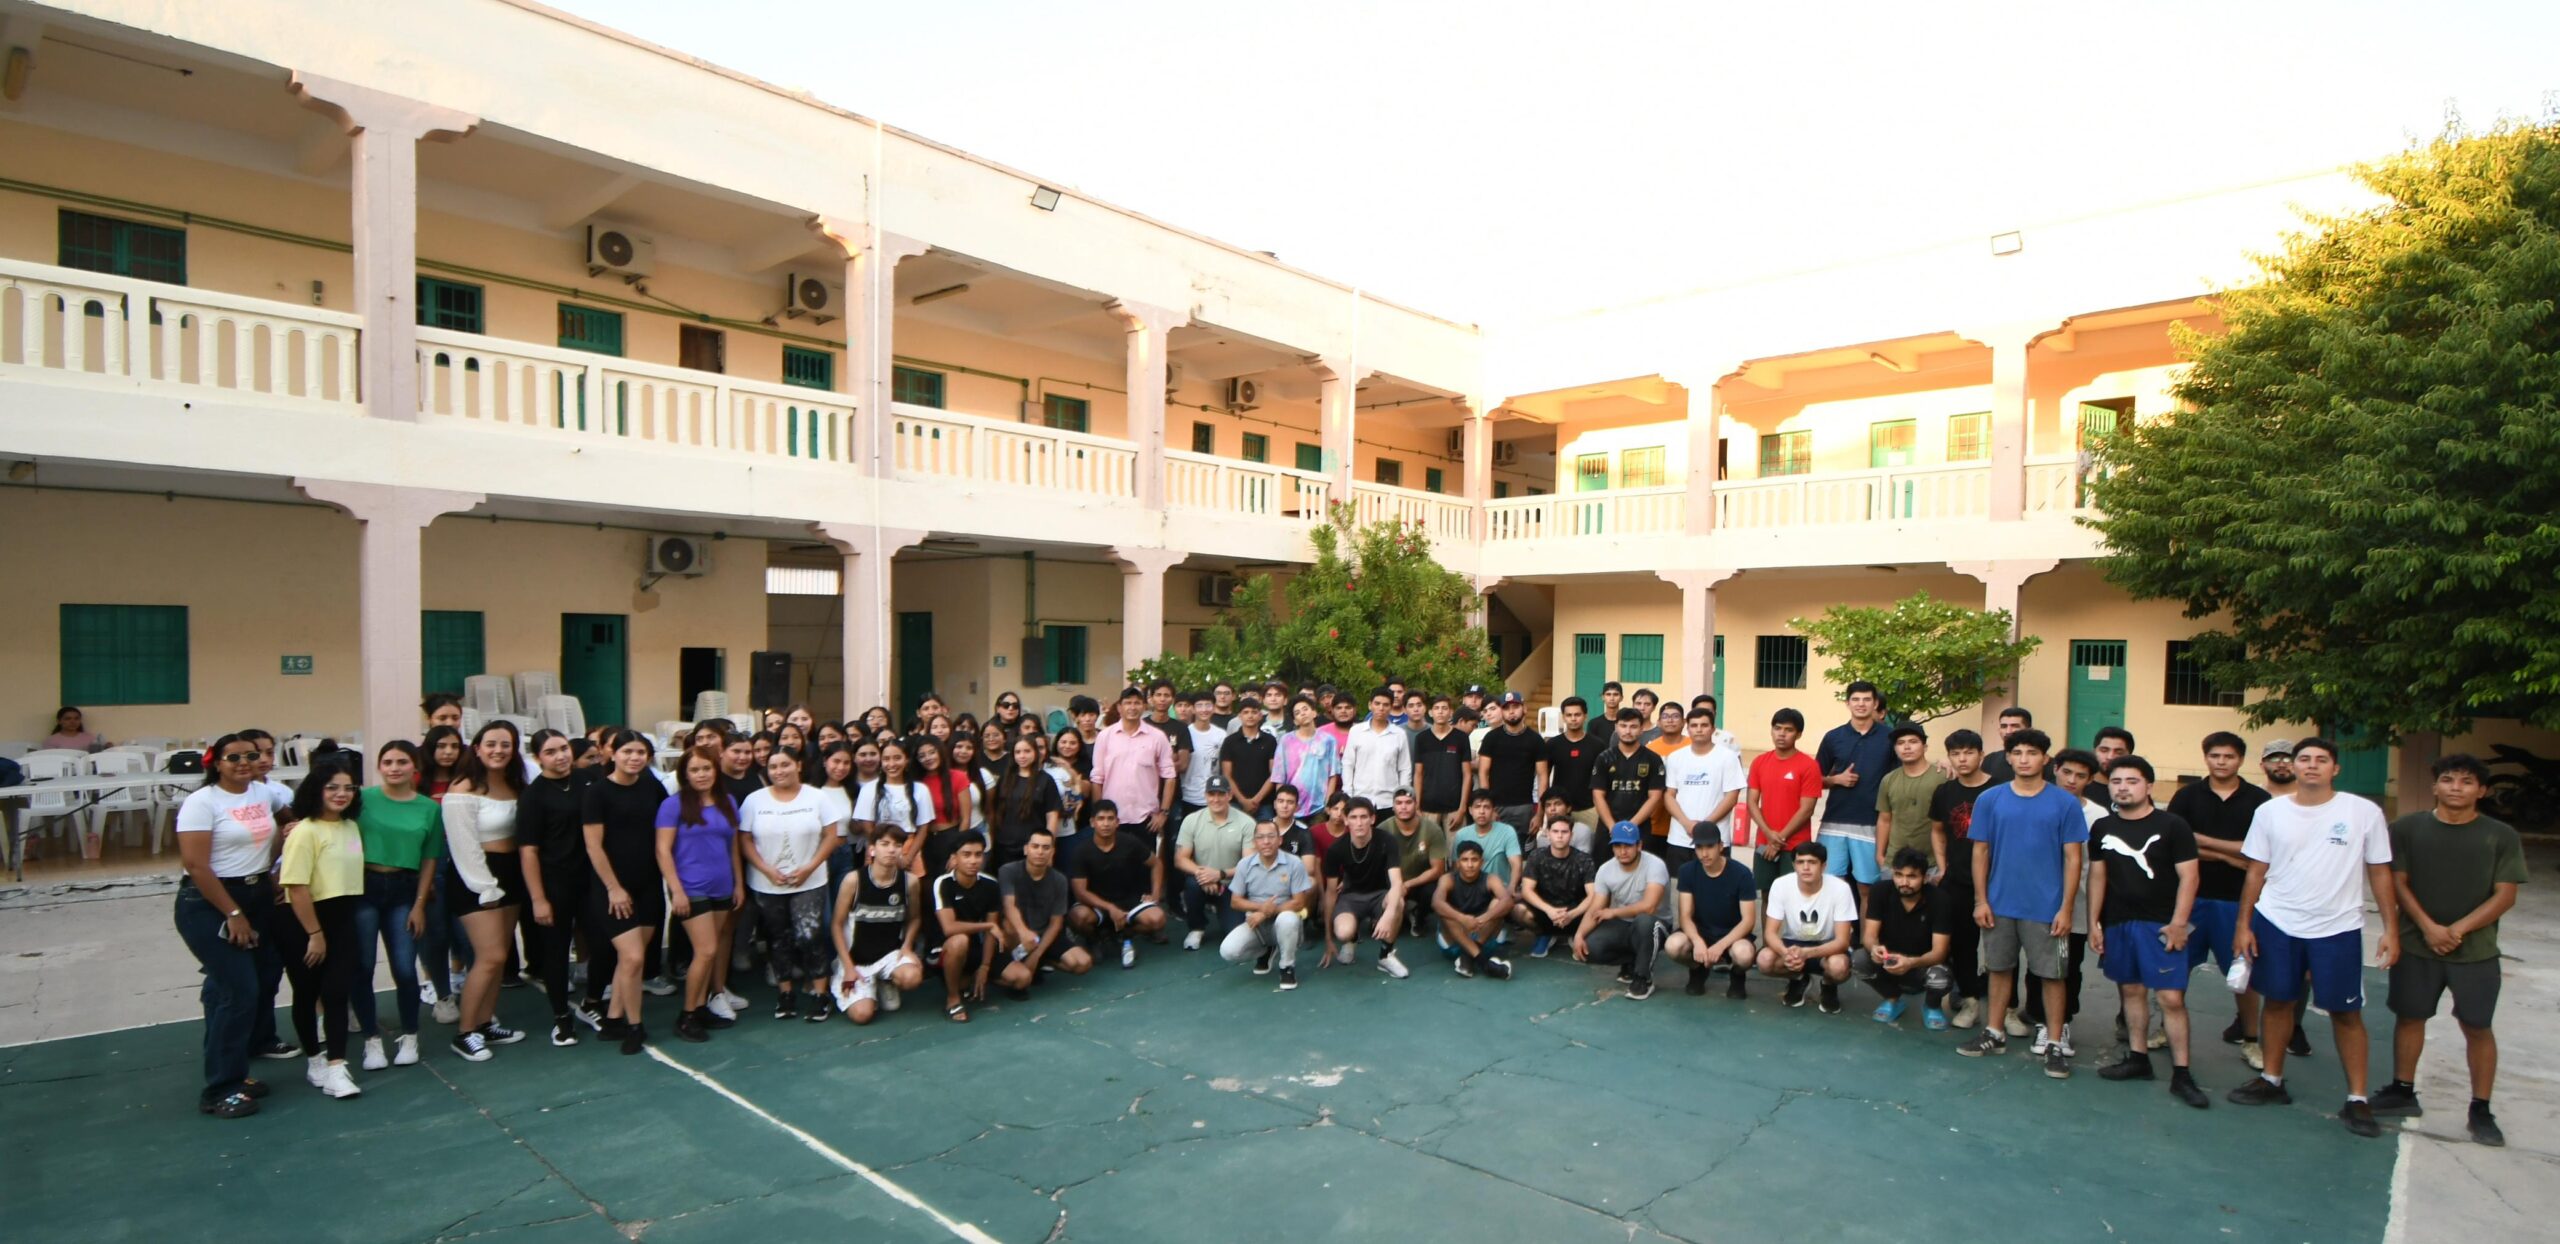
x=2028, y=839
x=1719, y=906
x=1854, y=759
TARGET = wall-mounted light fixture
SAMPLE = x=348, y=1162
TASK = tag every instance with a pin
x=1045, y=199
x=2009, y=243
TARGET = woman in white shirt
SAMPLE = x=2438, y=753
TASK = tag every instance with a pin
x=227, y=832
x=894, y=802
x=480, y=848
x=786, y=831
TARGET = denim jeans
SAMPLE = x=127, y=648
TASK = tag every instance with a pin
x=231, y=993
x=1202, y=910
x=382, y=924
x=443, y=941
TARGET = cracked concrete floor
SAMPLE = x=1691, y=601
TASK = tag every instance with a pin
x=1186, y=1096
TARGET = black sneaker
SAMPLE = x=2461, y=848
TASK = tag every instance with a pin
x=1795, y=990
x=1262, y=964
x=1497, y=967
x=1640, y=988
x=1463, y=966
x=2397, y=1100
x=611, y=1027
x=2057, y=1065
x=2299, y=1045
x=2259, y=1091
x=500, y=1034
x=1736, y=989
x=2484, y=1127
x=633, y=1037
x=472, y=1047
x=1830, y=1003
x=2183, y=1087
x=564, y=1030
x=586, y=1013
x=689, y=1027
x=1626, y=974
x=279, y=1051
x=1991, y=1042
x=1697, y=986
x=819, y=1010
x=787, y=1006
x=2135, y=1065
x=512, y=982
x=2358, y=1116
x=2231, y=1034
x=1288, y=978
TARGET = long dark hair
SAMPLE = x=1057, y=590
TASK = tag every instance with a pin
x=906, y=777
x=477, y=772
x=307, y=797
x=428, y=774
x=691, y=802
x=1018, y=791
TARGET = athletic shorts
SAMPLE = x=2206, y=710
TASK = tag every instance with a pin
x=706, y=905
x=1852, y=856
x=862, y=983
x=2010, y=940
x=2215, y=921
x=505, y=867
x=2136, y=957
x=1365, y=908
x=1768, y=864
x=1105, y=929
x=2418, y=987
x=2335, y=963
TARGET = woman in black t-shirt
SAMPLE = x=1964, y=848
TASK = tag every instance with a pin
x=627, y=902
x=1024, y=799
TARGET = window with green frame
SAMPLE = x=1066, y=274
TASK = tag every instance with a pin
x=592, y=329
x=1590, y=472
x=1204, y=438
x=1067, y=414
x=916, y=387
x=450, y=305
x=1310, y=457
x=1501, y=489
x=807, y=368
x=1786, y=453
x=1257, y=447
x=1640, y=658
x=121, y=248
x=124, y=654
x=1969, y=436
x=1648, y=467
x=1893, y=442
x=1390, y=472
x=451, y=647
x=1064, y=653
x=1433, y=480
x=1780, y=662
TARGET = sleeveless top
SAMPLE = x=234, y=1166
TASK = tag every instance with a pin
x=878, y=922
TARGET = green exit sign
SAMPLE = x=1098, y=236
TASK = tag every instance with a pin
x=297, y=664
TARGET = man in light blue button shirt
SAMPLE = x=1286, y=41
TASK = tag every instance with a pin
x=1270, y=889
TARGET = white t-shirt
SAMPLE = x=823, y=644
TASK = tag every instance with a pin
x=886, y=803
x=1811, y=917
x=1205, y=742
x=1699, y=783
x=243, y=825
x=2315, y=859
x=787, y=835
x=1068, y=801
x=839, y=808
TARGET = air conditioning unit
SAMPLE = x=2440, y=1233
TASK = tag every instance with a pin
x=1217, y=591
x=1506, y=453
x=814, y=296
x=1174, y=375
x=620, y=250
x=1457, y=444
x=678, y=555
x=1243, y=394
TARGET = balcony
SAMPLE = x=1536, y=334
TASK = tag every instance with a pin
x=539, y=390
x=1250, y=489
x=1893, y=495
x=86, y=328
x=1442, y=517
x=1627, y=512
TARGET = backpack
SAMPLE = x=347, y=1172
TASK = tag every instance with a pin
x=12, y=773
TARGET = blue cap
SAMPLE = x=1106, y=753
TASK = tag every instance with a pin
x=1625, y=834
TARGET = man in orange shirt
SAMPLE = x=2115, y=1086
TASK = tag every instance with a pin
x=1785, y=785
x=1670, y=734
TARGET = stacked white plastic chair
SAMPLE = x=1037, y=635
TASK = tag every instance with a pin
x=710, y=704
x=531, y=686
x=562, y=713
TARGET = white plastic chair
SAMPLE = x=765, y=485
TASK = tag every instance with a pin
x=563, y=713
x=665, y=734
x=710, y=704
x=165, y=797
x=14, y=748
x=531, y=686
x=130, y=801
x=295, y=752
x=525, y=726
x=1550, y=720
x=48, y=765
x=472, y=720
x=747, y=723
x=492, y=694
x=150, y=743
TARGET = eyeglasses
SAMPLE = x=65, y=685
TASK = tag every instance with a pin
x=239, y=758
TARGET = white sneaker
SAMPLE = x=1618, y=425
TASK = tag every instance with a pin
x=735, y=1002
x=2017, y=1027
x=316, y=1070
x=337, y=1083
x=1967, y=1015
x=456, y=991
x=1392, y=966
x=718, y=1004
x=405, y=1051
x=1192, y=939
x=888, y=995
x=2064, y=1041
x=427, y=992
x=587, y=1015
x=2043, y=1041
x=448, y=1011
x=657, y=987
x=374, y=1058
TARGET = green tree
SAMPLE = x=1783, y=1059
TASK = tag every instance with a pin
x=1374, y=605
x=1927, y=656
x=2360, y=490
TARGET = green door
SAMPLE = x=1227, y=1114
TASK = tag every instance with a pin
x=595, y=666
x=1590, y=667
x=915, y=661
x=2364, y=768
x=451, y=648
x=1718, y=692
x=2097, y=689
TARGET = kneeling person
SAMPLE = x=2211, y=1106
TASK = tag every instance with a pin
x=1910, y=933
x=1471, y=903
x=1624, y=921
x=1035, y=916
x=1363, y=890
x=1118, y=884
x=967, y=906
x=1719, y=910
x=1807, y=934
x=1271, y=891
x=877, y=916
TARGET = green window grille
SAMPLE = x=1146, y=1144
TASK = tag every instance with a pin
x=1590, y=472
x=1969, y=437
x=592, y=329
x=122, y=248
x=1786, y=453
x=451, y=647
x=450, y=305
x=1433, y=480
x=1390, y=472
x=2187, y=683
x=1067, y=414
x=1640, y=658
x=1501, y=489
x=1065, y=651
x=1257, y=447
x=1310, y=457
x=807, y=368
x=124, y=654
x=1780, y=662
x=916, y=387
x=1204, y=438
x=1892, y=443
x=1648, y=467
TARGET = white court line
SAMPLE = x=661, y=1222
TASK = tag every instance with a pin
x=2396, y=1227
x=823, y=1149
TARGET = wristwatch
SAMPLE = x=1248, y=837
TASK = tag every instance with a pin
x=232, y=914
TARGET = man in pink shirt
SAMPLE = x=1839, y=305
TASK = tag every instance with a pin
x=1133, y=765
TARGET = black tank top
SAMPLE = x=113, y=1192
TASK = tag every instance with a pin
x=1471, y=897
x=879, y=919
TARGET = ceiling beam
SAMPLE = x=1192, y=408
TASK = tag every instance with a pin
x=578, y=203
x=322, y=146
x=778, y=248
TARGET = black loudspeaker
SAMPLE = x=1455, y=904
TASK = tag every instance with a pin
x=769, y=680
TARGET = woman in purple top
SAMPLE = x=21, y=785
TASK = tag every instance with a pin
x=698, y=854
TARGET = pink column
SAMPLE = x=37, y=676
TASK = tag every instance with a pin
x=871, y=299
x=1698, y=625
x=388, y=593
x=1478, y=464
x=1335, y=415
x=1705, y=425
x=869, y=620
x=385, y=131
x=1142, y=601
x=2009, y=422
x=2002, y=584
x=1146, y=370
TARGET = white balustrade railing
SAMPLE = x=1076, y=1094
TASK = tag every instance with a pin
x=1519, y=518
x=942, y=444
x=1440, y=516
x=1624, y=512
x=1253, y=489
x=500, y=383
x=68, y=322
x=1900, y=494
x=2054, y=486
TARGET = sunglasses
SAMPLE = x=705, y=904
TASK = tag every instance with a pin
x=239, y=758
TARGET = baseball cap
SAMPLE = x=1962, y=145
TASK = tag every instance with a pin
x=1706, y=835
x=1509, y=697
x=1214, y=786
x=2276, y=747
x=1403, y=791
x=1625, y=834
x=1474, y=688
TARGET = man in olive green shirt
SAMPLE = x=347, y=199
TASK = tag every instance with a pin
x=1902, y=804
x=2456, y=873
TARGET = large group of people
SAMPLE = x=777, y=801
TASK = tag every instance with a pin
x=857, y=860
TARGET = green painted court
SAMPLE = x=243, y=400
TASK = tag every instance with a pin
x=1186, y=1098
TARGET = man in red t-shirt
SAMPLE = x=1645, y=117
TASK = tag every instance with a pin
x=1785, y=785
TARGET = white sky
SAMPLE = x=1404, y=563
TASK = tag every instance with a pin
x=1500, y=161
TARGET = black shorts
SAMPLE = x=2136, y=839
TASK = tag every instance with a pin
x=710, y=905
x=2418, y=987
x=1366, y=908
x=506, y=866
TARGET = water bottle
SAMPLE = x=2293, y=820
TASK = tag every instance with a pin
x=2238, y=976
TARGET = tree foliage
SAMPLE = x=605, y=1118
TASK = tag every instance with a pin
x=1373, y=606
x=2361, y=490
x=1927, y=656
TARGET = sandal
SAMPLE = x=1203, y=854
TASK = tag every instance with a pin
x=235, y=1104
x=958, y=1013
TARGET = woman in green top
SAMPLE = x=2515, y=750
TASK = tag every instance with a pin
x=403, y=838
